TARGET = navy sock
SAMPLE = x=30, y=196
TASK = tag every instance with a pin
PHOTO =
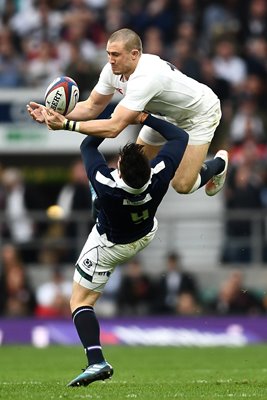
x=211, y=168
x=87, y=326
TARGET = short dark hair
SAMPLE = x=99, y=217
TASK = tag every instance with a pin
x=134, y=165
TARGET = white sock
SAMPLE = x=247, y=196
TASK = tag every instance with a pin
x=196, y=184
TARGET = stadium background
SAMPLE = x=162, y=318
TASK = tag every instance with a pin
x=219, y=240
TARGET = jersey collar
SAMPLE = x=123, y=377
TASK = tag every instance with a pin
x=122, y=185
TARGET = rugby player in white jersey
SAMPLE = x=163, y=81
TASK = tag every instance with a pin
x=148, y=83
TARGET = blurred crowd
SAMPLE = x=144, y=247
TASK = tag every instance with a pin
x=221, y=43
x=129, y=292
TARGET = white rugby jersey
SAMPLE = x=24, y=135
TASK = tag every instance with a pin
x=158, y=87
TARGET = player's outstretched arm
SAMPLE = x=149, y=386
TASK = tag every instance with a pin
x=84, y=111
x=105, y=128
x=177, y=140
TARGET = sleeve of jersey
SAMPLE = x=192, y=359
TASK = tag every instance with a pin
x=104, y=85
x=91, y=156
x=177, y=139
x=140, y=91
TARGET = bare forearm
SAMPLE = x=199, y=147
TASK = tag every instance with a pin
x=104, y=128
x=83, y=112
x=90, y=108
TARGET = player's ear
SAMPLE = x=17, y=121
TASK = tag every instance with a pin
x=135, y=53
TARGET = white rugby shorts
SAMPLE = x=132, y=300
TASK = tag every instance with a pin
x=99, y=257
x=200, y=128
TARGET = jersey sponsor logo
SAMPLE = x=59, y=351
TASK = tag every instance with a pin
x=127, y=202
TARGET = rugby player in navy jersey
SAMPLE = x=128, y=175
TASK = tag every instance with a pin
x=128, y=198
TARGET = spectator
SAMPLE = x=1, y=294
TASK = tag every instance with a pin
x=228, y=64
x=85, y=73
x=189, y=11
x=17, y=297
x=208, y=76
x=7, y=10
x=79, y=12
x=187, y=304
x=254, y=86
x=153, y=42
x=173, y=283
x=116, y=16
x=53, y=296
x=256, y=56
x=11, y=63
x=243, y=192
x=36, y=23
x=20, y=199
x=187, y=30
x=220, y=18
x=75, y=196
x=184, y=58
x=79, y=56
x=235, y=299
x=44, y=67
x=254, y=23
x=135, y=294
x=75, y=36
x=247, y=122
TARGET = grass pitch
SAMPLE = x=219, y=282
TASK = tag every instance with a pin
x=141, y=373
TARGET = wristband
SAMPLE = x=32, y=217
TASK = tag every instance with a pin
x=69, y=125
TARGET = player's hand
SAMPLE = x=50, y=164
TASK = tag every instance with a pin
x=53, y=120
x=35, y=111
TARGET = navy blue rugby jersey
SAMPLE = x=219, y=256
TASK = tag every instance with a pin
x=127, y=214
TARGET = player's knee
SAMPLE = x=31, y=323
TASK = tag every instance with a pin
x=182, y=186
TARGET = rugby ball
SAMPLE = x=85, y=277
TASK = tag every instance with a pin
x=62, y=95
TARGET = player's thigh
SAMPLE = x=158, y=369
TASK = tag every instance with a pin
x=188, y=170
x=149, y=150
x=151, y=140
x=82, y=296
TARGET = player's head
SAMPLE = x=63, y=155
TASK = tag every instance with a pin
x=134, y=166
x=124, y=49
x=129, y=38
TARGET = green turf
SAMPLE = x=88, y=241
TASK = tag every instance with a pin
x=140, y=373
